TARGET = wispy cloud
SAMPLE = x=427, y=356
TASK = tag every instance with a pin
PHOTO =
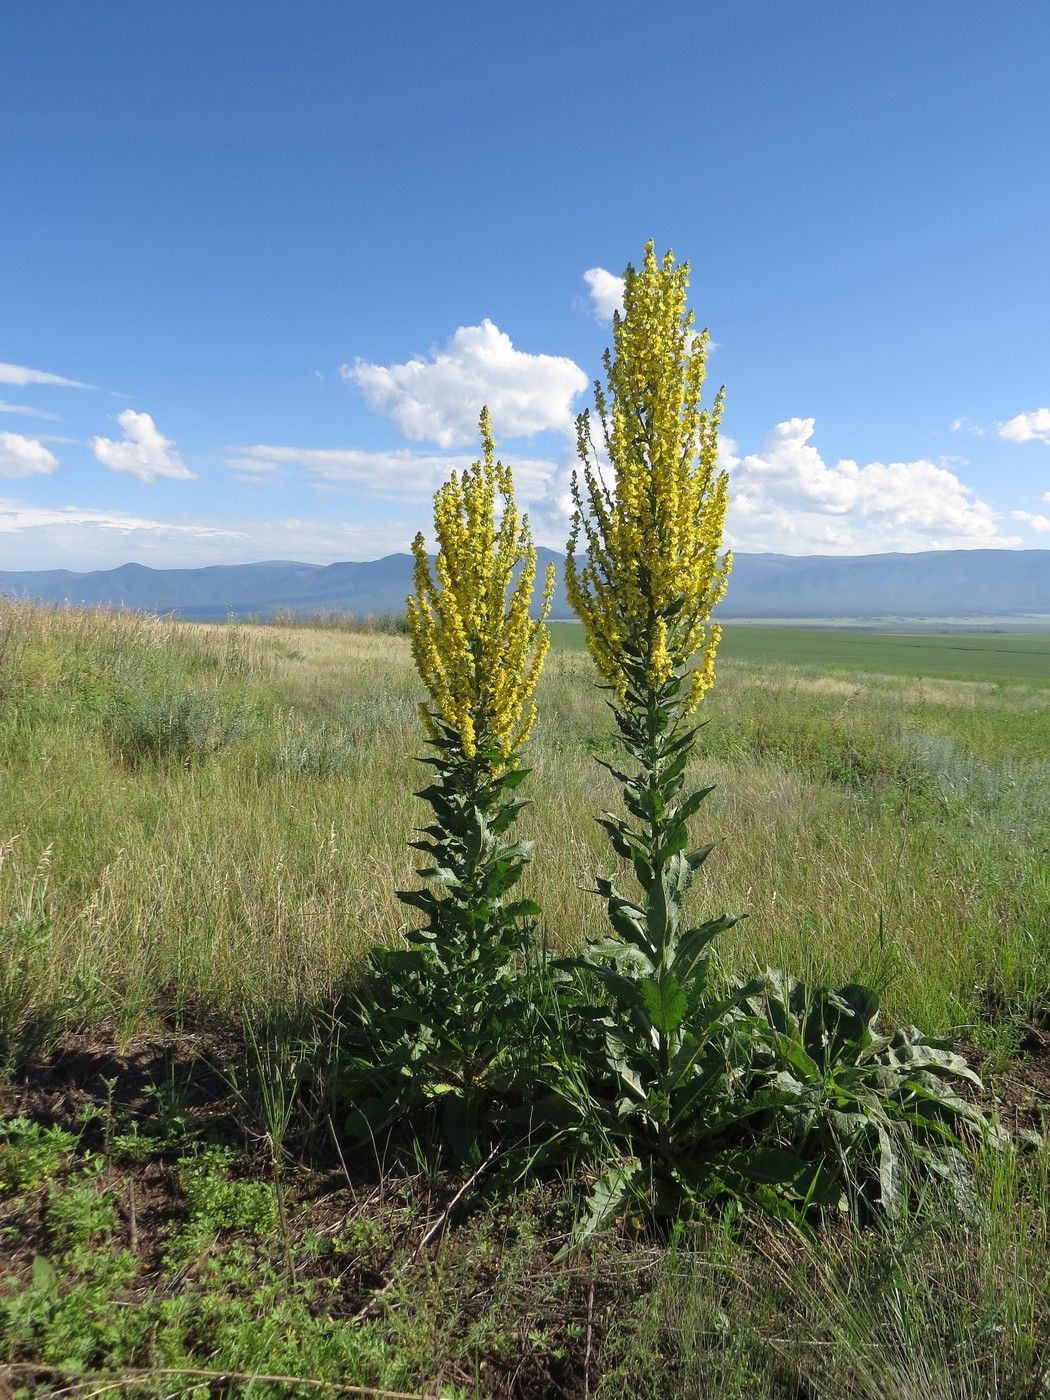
x=22, y=457
x=25, y=411
x=963, y=425
x=85, y=539
x=399, y=473
x=15, y=516
x=19, y=374
x=144, y=453
x=786, y=499
x=439, y=399
x=1027, y=427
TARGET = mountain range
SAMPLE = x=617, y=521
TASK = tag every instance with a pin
x=970, y=583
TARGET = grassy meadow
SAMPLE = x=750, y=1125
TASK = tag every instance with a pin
x=202, y=829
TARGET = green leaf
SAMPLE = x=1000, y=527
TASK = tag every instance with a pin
x=631, y=923
x=692, y=943
x=618, y=836
x=620, y=776
x=623, y=987
x=522, y=909
x=691, y=804
x=775, y=1166
x=892, y=1172
x=665, y=1002
x=610, y=1196
x=792, y=1053
x=459, y=1121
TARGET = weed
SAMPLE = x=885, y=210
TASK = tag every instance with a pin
x=176, y=726
x=31, y=1155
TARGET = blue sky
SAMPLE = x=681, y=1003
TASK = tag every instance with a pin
x=262, y=263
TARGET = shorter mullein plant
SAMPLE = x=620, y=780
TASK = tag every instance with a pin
x=449, y=1014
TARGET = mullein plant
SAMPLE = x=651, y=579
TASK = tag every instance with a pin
x=451, y=1011
x=699, y=1089
x=650, y=517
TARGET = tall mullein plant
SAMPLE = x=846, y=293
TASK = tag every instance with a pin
x=479, y=653
x=650, y=518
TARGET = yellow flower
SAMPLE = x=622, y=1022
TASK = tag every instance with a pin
x=478, y=653
x=652, y=521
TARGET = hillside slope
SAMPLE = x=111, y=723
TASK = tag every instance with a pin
x=949, y=583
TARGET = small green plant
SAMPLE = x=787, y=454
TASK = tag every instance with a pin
x=217, y=1200
x=175, y=726
x=79, y=1213
x=868, y=1111
x=31, y=1154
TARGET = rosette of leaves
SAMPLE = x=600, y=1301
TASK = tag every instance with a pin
x=853, y=1115
x=446, y=1022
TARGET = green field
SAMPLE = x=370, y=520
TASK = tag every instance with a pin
x=1023, y=656
x=202, y=832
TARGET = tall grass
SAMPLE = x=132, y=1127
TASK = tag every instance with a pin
x=242, y=865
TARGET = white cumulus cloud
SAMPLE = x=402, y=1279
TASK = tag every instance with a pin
x=19, y=374
x=24, y=456
x=1028, y=427
x=606, y=291
x=786, y=499
x=439, y=399
x=1039, y=523
x=144, y=453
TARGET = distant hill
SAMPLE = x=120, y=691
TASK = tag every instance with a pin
x=946, y=583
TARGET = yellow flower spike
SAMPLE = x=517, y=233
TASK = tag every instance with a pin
x=650, y=573
x=478, y=653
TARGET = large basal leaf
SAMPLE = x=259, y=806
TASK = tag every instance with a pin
x=893, y=1175
x=776, y=1166
x=919, y=1055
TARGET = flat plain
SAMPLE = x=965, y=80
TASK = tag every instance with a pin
x=1007, y=655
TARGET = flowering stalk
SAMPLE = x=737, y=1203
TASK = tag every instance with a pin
x=479, y=659
x=652, y=521
x=652, y=573
x=460, y=997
